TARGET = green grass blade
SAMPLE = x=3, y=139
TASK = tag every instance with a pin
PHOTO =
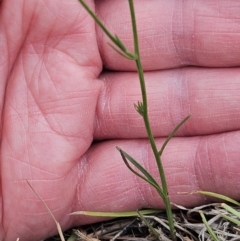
x=233, y=220
x=219, y=196
x=49, y=211
x=116, y=214
x=210, y=231
x=231, y=210
x=172, y=134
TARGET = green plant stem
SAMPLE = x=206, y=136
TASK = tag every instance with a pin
x=142, y=108
x=96, y=19
x=166, y=199
x=114, y=38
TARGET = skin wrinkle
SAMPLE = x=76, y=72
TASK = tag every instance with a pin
x=171, y=115
x=219, y=181
x=187, y=41
x=186, y=108
x=168, y=104
x=104, y=102
x=111, y=108
x=173, y=172
x=154, y=112
x=53, y=42
x=193, y=42
x=96, y=122
x=51, y=110
x=82, y=167
x=217, y=30
x=180, y=93
x=4, y=61
x=208, y=163
x=28, y=155
x=175, y=45
x=197, y=166
x=27, y=28
x=124, y=94
x=205, y=165
x=31, y=166
x=46, y=6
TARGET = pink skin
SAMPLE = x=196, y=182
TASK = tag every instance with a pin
x=55, y=100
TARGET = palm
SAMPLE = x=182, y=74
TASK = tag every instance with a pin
x=55, y=103
x=46, y=126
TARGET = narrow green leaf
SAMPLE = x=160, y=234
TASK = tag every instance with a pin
x=219, y=196
x=131, y=55
x=120, y=44
x=152, y=229
x=231, y=210
x=211, y=232
x=147, y=176
x=126, y=54
x=231, y=219
x=172, y=134
x=116, y=214
x=114, y=38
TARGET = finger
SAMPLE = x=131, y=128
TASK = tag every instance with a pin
x=207, y=163
x=173, y=33
x=210, y=96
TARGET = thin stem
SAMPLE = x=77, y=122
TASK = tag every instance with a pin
x=105, y=30
x=144, y=98
x=142, y=108
x=147, y=123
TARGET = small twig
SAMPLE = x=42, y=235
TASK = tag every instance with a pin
x=122, y=231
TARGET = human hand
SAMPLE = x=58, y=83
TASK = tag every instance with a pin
x=56, y=101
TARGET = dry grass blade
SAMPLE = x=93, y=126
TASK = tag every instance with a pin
x=151, y=228
x=122, y=231
x=188, y=224
x=83, y=236
x=50, y=212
